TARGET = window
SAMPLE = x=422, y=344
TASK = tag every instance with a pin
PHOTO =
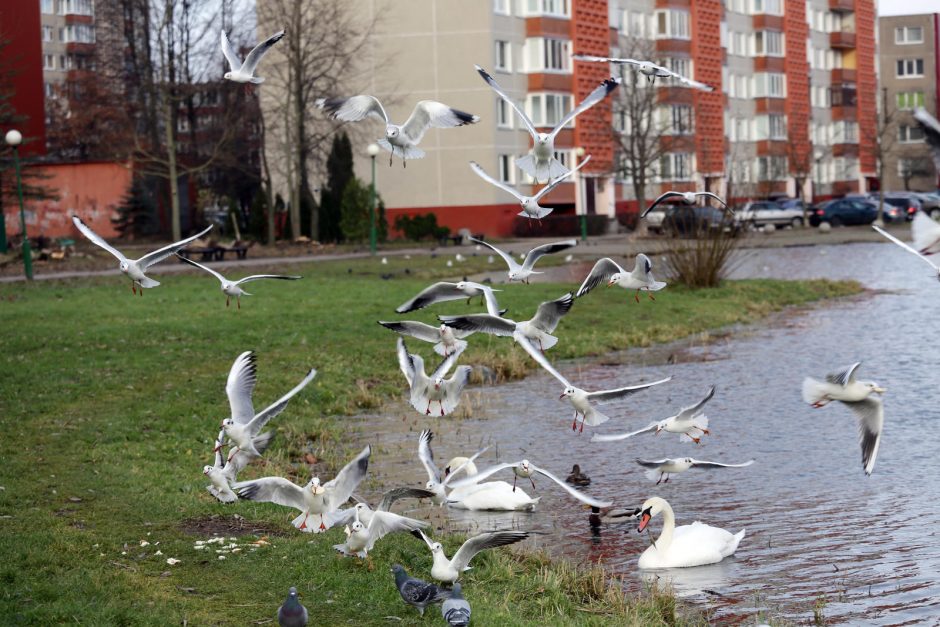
x=772, y=168
x=770, y=7
x=820, y=96
x=908, y=100
x=634, y=24
x=910, y=68
x=79, y=33
x=770, y=85
x=904, y=35
x=48, y=33
x=680, y=120
x=845, y=132
x=682, y=67
x=48, y=62
x=47, y=7
x=845, y=168
x=909, y=167
x=675, y=166
x=547, y=109
x=507, y=170
x=502, y=7
x=547, y=55
x=910, y=134
x=771, y=126
x=503, y=114
x=77, y=7
x=49, y=90
x=556, y=8
x=768, y=43
x=672, y=24
x=503, y=56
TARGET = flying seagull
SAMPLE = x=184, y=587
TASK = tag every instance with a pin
x=222, y=473
x=438, y=481
x=910, y=248
x=647, y=68
x=361, y=537
x=232, y=289
x=525, y=469
x=925, y=233
x=312, y=499
x=640, y=278
x=425, y=389
x=541, y=163
x=530, y=204
x=522, y=272
x=292, y=613
x=449, y=570
x=388, y=499
x=538, y=329
x=662, y=468
x=931, y=128
x=416, y=592
x=136, y=268
x=688, y=198
x=403, y=140
x=244, y=425
x=447, y=340
x=456, y=610
x=444, y=291
x=857, y=396
x=581, y=400
x=690, y=423
x=244, y=72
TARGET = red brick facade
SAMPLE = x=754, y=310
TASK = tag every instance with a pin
x=707, y=60
x=797, y=104
x=867, y=84
x=590, y=34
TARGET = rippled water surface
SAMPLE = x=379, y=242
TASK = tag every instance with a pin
x=818, y=530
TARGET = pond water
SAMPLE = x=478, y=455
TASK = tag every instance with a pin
x=819, y=532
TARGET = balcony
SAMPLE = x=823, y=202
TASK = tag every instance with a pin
x=844, y=95
x=842, y=6
x=842, y=40
x=843, y=112
x=843, y=75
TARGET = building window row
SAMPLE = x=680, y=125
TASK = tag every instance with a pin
x=829, y=133
x=755, y=7
x=672, y=24
x=547, y=109
x=904, y=35
x=762, y=43
x=676, y=166
x=824, y=58
x=910, y=68
x=829, y=22
x=910, y=134
x=79, y=33
x=503, y=61
x=770, y=85
x=553, y=8
x=909, y=100
x=772, y=168
x=543, y=54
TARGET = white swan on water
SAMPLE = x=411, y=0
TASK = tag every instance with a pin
x=681, y=547
x=489, y=495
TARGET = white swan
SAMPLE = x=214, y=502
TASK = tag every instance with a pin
x=490, y=495
x=681, y=547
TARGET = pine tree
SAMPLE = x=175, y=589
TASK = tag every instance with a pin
x=339, y=168
x=137, y=211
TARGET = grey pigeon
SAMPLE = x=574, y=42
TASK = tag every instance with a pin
x=456, y=610
x=415, y=591
x=292, y=613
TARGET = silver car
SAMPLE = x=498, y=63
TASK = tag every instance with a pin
x=760, y=212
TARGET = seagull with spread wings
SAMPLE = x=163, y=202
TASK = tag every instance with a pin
x=581, y=400
x=530, y=204
x=316, y=499
x=449, y=570
x=662, y=468
x=859, y=396
x=925, y=234
x=400, y=140
x=910, y=248
x=688, y=198
x=541, y=163
x=362, y=536
x=240, y=72
x=447, y=340
x=443, y=291
x=538, y=329
x=232, y=289
x=931, y=128
x=136, y=268
x=525, y=469
x=647, y=68
x=425, y=389
x=438, y=482
x=609, y=271
x=244, y=425
x=690, y=423
x=522, y=272
x=223, y=473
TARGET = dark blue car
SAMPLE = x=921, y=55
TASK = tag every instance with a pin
x=844, y=211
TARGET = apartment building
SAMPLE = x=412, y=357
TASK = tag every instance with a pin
x=792, y=111
x=908, y=49
x=68, y=41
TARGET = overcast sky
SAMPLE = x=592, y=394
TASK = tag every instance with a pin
x=907, y=7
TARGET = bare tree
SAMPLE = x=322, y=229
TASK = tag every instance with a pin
x=913, y=167
x=881, y=144
x=800, y=161
x=322, y=39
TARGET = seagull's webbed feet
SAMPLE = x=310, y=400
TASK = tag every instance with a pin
x=582, y=426
x=667, y=479
x=532, y=481
x=134, y=287
x=322, y=525
x=636, y=296
x=650, y=294
x=427, y=412
x=574, y=424
x=661, y=475
x=227, y=299
x=238, y=301
x=303, y=525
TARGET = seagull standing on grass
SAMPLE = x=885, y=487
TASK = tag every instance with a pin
x=522, y=272
x=909, y=248
x=530, y=204
x=444, y=291
x=232, y=289
x=313, y=498
x=639, y=279
x=688, y=198
x=857, y=396
x=449, y=570
x=690, y=423
x=581, y=400
x=135, y=268
x=525, y=469
x=541, y=163
x=434, y=389
x=243, y=426
x=538, y=329
x=403, y=140
x=662, y=468
x=650, y=70
x=244, y=72
x=447, y=340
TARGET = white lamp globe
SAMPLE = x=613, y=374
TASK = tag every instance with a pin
x=14, y=138
x=373, y=150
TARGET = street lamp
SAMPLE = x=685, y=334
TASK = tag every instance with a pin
x=582, y=194
x=14, y=138
x=373, y=151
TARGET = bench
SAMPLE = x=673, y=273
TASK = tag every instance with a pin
x=456, y=240
x=215, y=253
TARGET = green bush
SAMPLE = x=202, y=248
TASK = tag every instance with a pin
x=421, y=227
x=356, y=216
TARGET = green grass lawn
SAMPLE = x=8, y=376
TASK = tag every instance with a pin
x=109, y=404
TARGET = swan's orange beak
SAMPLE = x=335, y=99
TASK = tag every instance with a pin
x=644, y=520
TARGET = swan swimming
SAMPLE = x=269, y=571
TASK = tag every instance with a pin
x=686, y=546
x=490, y=495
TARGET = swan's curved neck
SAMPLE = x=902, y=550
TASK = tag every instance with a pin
x=669, y=525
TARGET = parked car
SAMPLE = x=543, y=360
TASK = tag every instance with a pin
x=688, y=220
x=900, y=206
x=654, y=219
x=761, y=212
x=844, y=211
x=930, y=203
